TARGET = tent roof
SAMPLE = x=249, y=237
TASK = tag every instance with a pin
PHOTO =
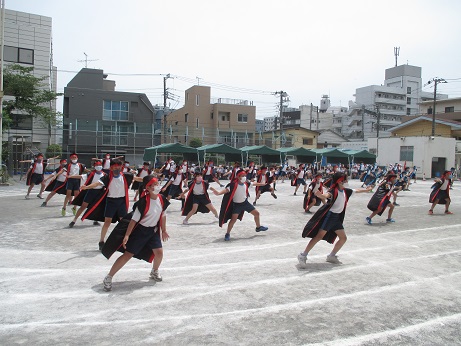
x=259, y=150
x=330, y=152
x=167, y=148
x=360, y=154
x=219, y=149
x=297, y=151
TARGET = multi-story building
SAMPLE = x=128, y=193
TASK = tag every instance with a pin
x=98, y=119
x=220, y=120
x=27, y=42
x=259, y=125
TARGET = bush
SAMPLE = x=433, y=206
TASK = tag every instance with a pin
x=53, y=150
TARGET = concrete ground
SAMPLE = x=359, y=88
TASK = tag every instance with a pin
x=399, y=284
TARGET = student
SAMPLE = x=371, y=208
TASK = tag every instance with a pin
x=142, y=172
x=112, y=206
x=85, y=197
x=300, y=179
x=381, y=199
x=209, y=173
x=197, y=199
x=441, y=193
x=327, y=223
x=59, y=186
x=147, y=228
x=265, y=180
x=74, y=176
x=233, y=173
x=310, y=199
x=35, y=175
x=235, y=203
x=174, y=186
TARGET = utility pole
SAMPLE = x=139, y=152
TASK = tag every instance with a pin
x=436, y=81
x=1, y=78
x=317, y=109
x=283, y=98
x=165, y=98
x=378, y=116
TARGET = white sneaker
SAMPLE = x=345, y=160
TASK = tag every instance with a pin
x=154, y=275
x=333, y=259
x=185, y=222
x=302, y=259
x=107, y=283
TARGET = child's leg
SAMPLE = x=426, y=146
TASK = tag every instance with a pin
x=105, y=227
x=158, y=257
x=192, y=212
x=314, y=241
x=232, y=222
x=212, y=209
x=341, y=241
x=120, y=262
x=255, y=213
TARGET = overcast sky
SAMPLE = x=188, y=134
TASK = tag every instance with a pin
x=246, y=49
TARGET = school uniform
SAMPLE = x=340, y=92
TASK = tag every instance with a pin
x=74, y=169
x=300, y=177
x=198, y=194
x=141, y=174
x=381, y=198
x=208, y=173
x=36, y=173
x=314, y=186
x=59, y=184
x=440, y=191
x=113, y=203
x=175, y=188
x=145, y=237
x=235, y=202
x=330, y=216
x=88, y=196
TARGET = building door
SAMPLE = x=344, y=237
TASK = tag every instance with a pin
x=438, y=166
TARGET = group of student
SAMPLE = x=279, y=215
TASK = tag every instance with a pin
x=104, y=197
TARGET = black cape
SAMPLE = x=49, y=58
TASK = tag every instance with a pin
x=438, y=193
x=115, y=239
x=313, y=225
x=189, y=199
x=225, y=213
x=380, y=198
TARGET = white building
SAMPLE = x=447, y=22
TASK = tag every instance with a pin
x=28, y=42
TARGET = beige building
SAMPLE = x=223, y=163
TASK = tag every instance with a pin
x=213, y=121
x=293, y=137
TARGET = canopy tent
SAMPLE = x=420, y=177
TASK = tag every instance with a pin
x=230, y=153
x=150, y=154
x=331, y=155
x=302, y=154
x=360, y=156
x=267, y=154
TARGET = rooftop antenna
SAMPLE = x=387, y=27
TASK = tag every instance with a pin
x=396, y=53
x=198, y=80
x=86, y=60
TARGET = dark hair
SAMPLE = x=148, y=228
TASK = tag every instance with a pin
x=146, y=163
x=115, y=162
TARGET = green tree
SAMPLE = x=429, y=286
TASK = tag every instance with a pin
x=53, y=150
x=195, y=142
x=31, y=97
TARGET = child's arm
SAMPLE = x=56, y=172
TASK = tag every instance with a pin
x=222, y=192
x=165, y=236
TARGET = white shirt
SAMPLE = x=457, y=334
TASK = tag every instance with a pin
x=301, y=174
x=96, y=178
x=240, y=194
x=444, y=185
x=106, y=164
x=263, y=178
x=340, y=202
x=143, y=173
x=209, y=170
x=198, y=189
x=38, y=168
x=74, y=169
x=152, y=216
x=177, y=180
x=116, y=187
x=316, y=187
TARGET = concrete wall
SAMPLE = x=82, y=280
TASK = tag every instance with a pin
x=423, y=128
x=425, y=149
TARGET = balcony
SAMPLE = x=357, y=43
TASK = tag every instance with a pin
x=231, y=101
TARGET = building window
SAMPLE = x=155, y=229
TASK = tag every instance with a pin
x=408, y=111
x=308, y=141
x=408, y=100
x=406, y=153
x=19, y=55
x=242, y=118
x=224, y=116
x=211, y=115
x=112, y=135
x=185, y=117
x=197, y=124
x=449, y=109
x=197, y=100
x=408, y=90
x=115, y=110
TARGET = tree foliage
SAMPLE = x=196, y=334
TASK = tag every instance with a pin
x=195, y=142
x=53, y=150
x=31, y=96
